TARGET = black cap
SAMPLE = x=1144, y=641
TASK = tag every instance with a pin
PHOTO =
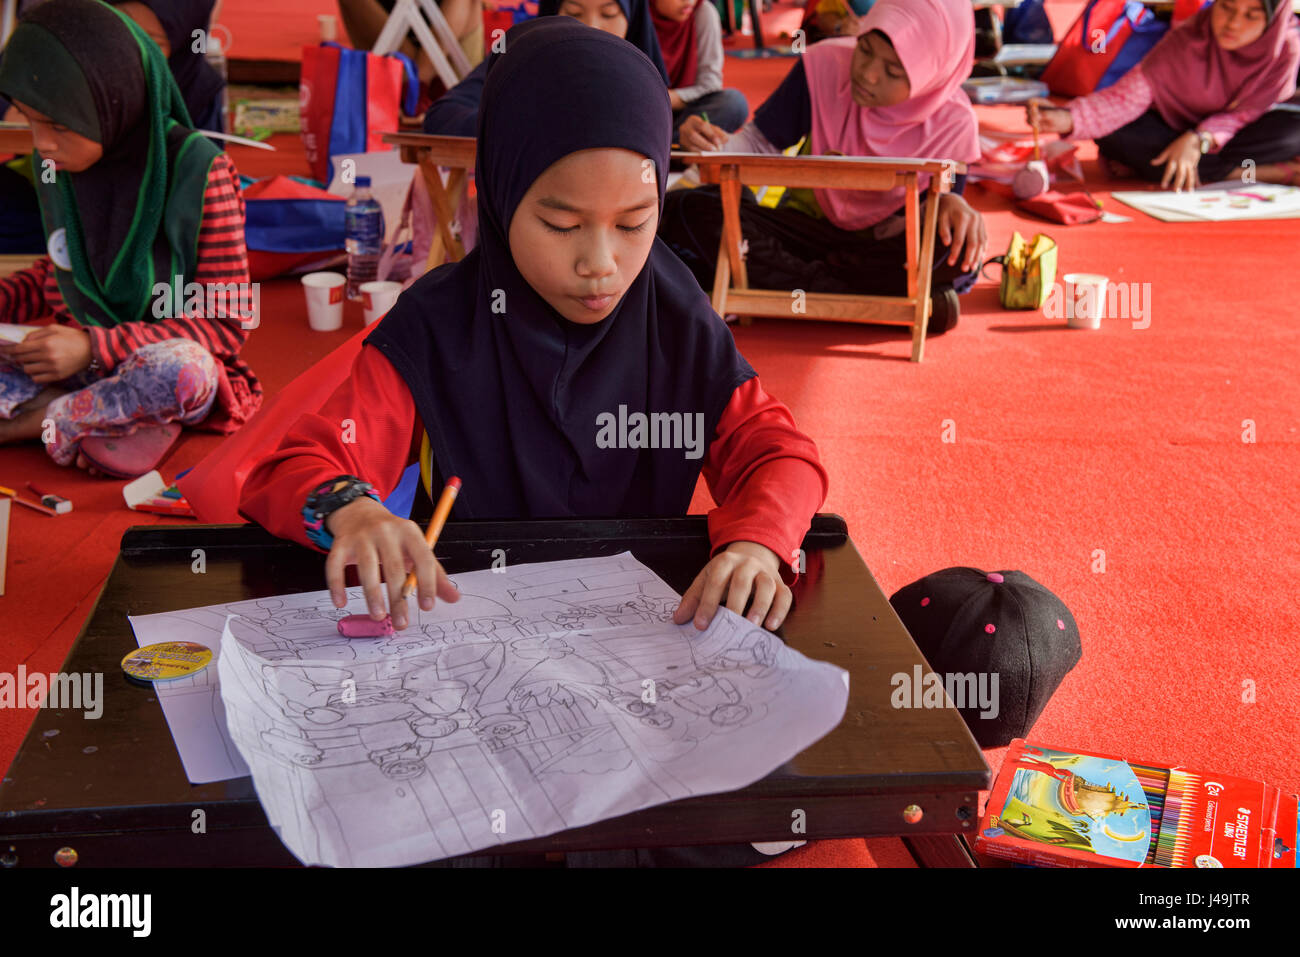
x=966, y=621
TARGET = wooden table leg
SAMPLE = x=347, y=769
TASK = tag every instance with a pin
x=444, y=198
x=721, y=278
x=912, y=208
x=926, y=270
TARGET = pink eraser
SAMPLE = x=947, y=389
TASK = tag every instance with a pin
x=363, y=626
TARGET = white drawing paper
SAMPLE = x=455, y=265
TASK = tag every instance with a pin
x=1218, y=202
x=550, y=696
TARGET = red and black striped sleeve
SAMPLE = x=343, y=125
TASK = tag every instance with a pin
x=22, y=295
x=222, y=323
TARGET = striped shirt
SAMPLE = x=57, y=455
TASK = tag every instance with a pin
x=29, y=295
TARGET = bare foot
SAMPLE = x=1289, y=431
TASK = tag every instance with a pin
x=1285, y=174
x=29, y=421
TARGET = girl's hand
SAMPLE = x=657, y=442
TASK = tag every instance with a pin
x=962, y=229
x=1049, y=118
x=697, y=136
x=742, y=570
x=52, y=353
x=675, y=100
x=371, y=537
x=1182, y=157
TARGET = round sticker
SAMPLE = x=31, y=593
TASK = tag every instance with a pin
x=57, y=247
x=167, y=661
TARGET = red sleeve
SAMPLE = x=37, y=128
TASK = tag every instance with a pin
x=22, y=295
x=764, y=473
x=368, y=428
x=222, y=273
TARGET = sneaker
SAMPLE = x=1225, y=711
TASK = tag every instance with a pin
x=945, y=310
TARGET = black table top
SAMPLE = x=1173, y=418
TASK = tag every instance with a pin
x=122, y=774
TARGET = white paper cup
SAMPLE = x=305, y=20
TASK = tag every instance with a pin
x=1085, y=300
x=378, y=297
x=324, y=300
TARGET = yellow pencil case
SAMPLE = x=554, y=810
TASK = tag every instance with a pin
x=1028, y=271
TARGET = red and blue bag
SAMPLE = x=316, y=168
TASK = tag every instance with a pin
x=1109, y=39
x=290, y=224
x=348, y=99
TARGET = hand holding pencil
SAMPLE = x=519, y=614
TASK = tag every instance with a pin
x=391, y=554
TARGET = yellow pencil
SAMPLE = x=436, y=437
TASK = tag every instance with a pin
x=436, y=523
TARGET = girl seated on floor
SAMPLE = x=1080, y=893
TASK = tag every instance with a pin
x=171, y=25
x=1199, y=107
x=134, y=197
x=690, y=39
x=455, y=113
x=568, y=310
x=894, y=91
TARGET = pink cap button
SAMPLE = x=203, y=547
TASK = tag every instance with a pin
x=994, y=577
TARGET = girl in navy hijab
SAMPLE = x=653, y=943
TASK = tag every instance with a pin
x=456, y=112
x=530, y=363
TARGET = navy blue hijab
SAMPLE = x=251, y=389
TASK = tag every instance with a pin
x=640, y=28
x=511, y=402
x=455, y=113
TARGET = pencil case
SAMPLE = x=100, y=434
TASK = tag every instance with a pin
x=1028, y=271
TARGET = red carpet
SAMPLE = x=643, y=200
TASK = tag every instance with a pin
x=1069, y=444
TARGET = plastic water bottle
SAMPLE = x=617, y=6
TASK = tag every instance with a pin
x=364, y=221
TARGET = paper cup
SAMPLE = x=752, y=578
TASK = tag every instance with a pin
x=324, y=300
x=378, y=297
x=1085, y=300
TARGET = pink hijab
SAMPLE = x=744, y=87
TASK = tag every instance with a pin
x=935, y=40
x=1192, y=77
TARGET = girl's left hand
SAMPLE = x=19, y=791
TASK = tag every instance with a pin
x=52, y=353
x=1182, y=158
x=742, y=570
x=962, y=229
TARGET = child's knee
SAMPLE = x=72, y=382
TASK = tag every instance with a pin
x=191, y=368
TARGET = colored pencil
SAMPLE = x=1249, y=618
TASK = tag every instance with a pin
x=435, y=527
x=22, y=501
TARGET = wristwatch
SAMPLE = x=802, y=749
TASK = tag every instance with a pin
x=327, y=498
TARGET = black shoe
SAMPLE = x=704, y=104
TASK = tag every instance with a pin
x=945, y=310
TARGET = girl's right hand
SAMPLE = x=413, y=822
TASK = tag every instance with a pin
x=697, y=136
x=1050, y=119
x=371, y=537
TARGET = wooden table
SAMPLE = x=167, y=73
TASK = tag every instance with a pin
x=430, y=153
x=114, y=789
x=731, y=288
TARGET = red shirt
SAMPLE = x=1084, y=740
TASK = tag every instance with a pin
x=763, y=471
x=31, y=293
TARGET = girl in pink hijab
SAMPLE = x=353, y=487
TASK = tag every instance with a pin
x=894, y=90
x=1199, y=107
